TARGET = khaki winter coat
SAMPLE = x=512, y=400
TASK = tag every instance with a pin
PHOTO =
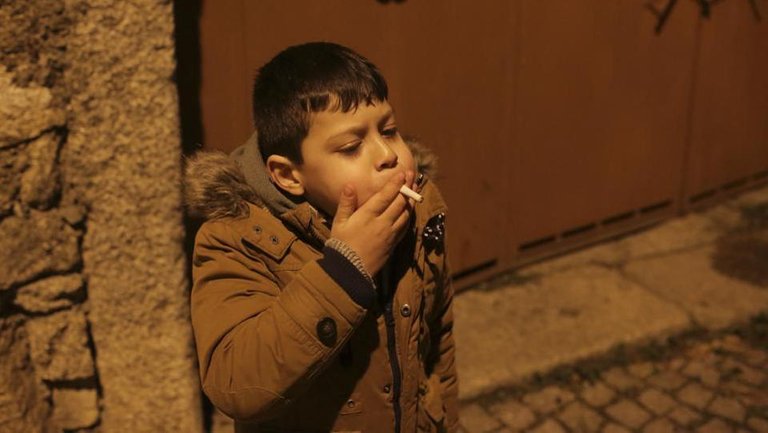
x=281, y=345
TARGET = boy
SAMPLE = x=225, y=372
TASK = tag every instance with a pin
x=321, y=298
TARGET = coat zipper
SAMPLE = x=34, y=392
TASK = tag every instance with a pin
x=389, y=320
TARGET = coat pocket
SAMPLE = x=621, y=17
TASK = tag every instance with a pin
x=431, y=413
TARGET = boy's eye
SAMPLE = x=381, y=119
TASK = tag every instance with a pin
x=390, y=132
x=350, y=150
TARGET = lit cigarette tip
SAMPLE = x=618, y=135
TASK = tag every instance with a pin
x=411, y=193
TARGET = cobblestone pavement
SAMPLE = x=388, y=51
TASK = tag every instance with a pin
x=700, y=383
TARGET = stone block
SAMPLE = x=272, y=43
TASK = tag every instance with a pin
x=549, y=426
x=475, y=419
x=598, y=394
x=684, y=416
x=628, y=413
x=661, y=425
x=25, y=112
x=50, y=294
x=59, y=346
x=514, y=414
x=23, y=405
x=42, y=243
x=727, y=408
x=714, y=426
x=580, y=419
x=548, y=399
x=75, y=408
x=695, y=395
x=618, y=379
x=657, y=401
x=40, y=181
x=12, y=164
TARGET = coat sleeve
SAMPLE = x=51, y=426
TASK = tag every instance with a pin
x=445, y=353
x=259, y=346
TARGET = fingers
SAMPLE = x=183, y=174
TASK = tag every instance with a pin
x=347, y=204
x=384, y=198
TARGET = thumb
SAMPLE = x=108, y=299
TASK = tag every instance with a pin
x=347, y=204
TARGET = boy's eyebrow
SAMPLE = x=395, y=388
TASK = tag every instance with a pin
x=360, y=129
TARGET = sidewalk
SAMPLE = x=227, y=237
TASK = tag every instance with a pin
x=706, y=271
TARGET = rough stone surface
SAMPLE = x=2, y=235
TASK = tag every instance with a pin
x=561, y=318
x=75, y=408
x=39, y=244
x=59, y=346
x=12, y=164
x=122, y=160
x=40, y=181
x=25, y=112
x=50, y=294
x=22, y=404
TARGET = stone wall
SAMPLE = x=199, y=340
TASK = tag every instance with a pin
x=94, y=330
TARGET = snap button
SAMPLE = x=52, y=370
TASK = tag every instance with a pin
x=351, y=403
x=405, y=310
x=257, y=229
x=274, y=239
x=326, y=331
x=387, y=388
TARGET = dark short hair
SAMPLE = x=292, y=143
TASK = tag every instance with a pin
x=305, y=79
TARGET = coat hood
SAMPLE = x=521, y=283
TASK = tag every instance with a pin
x=217, y=185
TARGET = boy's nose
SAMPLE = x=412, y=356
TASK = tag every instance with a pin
x=388, y=157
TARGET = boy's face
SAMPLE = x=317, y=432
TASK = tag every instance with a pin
x=362, y=147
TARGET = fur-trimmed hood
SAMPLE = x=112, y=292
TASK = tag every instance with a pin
x=218, y=185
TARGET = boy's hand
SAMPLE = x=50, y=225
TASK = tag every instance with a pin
x=374, y=229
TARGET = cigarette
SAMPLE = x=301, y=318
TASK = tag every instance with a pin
x=404, y=190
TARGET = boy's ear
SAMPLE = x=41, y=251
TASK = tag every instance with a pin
x=285, y=175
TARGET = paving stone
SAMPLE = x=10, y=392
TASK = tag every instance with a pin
x=706, y=374
x=727, y=408
x=628, y=413
x=756, y=358
x=641, y=370
x=684, y=416
x=548, y=399
x=549, y=426
x=714, y=426
x=598, y=394
x=657, y=401
x=580, y=418
x=695, y=395
x=618, y=379
x=676, y=364
x=661, y=425
x=513, y=414
x=476, y=420
x=733, y=387
x=759, y=425
x=667, y=380
x=614, y=428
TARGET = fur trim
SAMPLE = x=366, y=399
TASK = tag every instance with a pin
x=215, y=187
